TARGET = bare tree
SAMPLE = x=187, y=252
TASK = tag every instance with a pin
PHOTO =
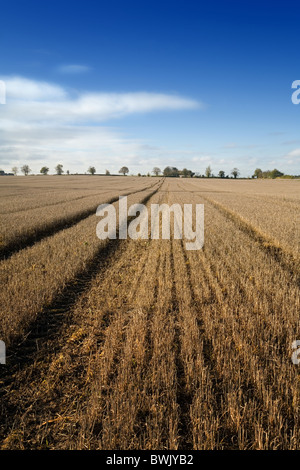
x=26, y=170
x=107, y=172
x=156, y=171
x=208, y=172
x=15, y=170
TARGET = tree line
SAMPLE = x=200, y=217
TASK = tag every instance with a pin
x=25, y=169
x=258, y=173
x=169, y=171
x=124, y=170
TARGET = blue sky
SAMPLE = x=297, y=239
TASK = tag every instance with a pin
x=150, y=83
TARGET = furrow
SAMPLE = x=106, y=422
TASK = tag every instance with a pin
x=31, y=236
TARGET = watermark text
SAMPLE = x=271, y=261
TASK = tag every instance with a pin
x=296, y=352
x=2, y=353
x=158, y=226
x=296, y=94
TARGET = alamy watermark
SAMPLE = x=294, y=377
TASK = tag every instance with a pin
x=2, y=353
x=296, y=94
x=2, y=92
x=296, y=352
x=160, y=222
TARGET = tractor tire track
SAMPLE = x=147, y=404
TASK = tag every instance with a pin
x=286, y=260
x=29, y=239
x=50, y=319
x=52, y=322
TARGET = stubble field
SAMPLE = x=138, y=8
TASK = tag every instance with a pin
x=141, y=344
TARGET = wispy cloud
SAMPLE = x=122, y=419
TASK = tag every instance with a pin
x=205, y=158
x=293, y=157
x=234, y=145
x=230, y=145
x=34, y=101
x=20, y=89
x=73, y=69
x=44, y=122
x=276, y=133
x=291, y=142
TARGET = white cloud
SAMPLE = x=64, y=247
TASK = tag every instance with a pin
x=32, y=101
x=44, y=123
x=294, y=153
x=204, y=158
x=19, y=88
x=293, y=158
